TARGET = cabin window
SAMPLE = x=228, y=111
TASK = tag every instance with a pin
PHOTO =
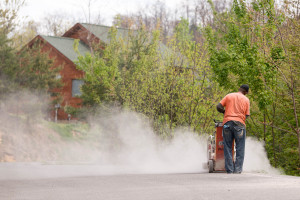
x=76, y=85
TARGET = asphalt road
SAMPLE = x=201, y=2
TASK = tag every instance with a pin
x=55, y=182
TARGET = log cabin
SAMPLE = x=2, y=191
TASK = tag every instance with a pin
x=61, y=50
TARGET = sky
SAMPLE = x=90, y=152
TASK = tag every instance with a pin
x=38, y=9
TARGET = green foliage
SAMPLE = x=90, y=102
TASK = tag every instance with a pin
x=170, y=84
x=70, y=110
x=236, y=58
x=80, y=113
x=253, y=45
x=7, y=59
x=9, y=14
x=102, y=73
x=28, y=69
x=35, y=70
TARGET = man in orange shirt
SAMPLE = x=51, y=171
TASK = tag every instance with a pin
x=237, y=109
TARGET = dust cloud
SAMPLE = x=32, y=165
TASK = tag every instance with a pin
x=256, y=159
x=128, y=140
x=118, y=142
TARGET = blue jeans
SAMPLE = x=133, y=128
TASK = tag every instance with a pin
x=237, y=131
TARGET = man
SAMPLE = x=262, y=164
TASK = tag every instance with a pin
x=237, y=109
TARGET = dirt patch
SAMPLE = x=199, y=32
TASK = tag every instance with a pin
x=24, y=142
x=44, y=141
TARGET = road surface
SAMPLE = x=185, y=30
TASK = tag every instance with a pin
x=55, y=182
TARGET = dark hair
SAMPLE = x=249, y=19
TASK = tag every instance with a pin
x=245, y=87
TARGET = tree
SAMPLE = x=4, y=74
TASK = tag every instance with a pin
x=171, y=85
x=25, y=34
x=8, y=20
x=56, y=24
x=101, y=72
x=35, y=70
x=7, y=58
x=251, y=44
x=25, y=69
x=9, y=14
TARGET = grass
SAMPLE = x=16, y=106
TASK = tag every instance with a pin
x=70, y=131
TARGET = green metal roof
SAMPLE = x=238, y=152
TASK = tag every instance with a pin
x=65, y=46
x=102, y=32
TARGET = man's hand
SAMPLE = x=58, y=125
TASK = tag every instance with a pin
x=220, y=108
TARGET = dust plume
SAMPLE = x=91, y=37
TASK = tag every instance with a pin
x=256, y=159
x=116, y=142
x=128, y=140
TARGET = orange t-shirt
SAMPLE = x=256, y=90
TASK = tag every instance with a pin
x=237, y=107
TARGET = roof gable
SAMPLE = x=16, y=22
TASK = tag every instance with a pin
x=102, y=32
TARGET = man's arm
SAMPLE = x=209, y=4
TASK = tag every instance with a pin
x=248, y=110
x=220, y=108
